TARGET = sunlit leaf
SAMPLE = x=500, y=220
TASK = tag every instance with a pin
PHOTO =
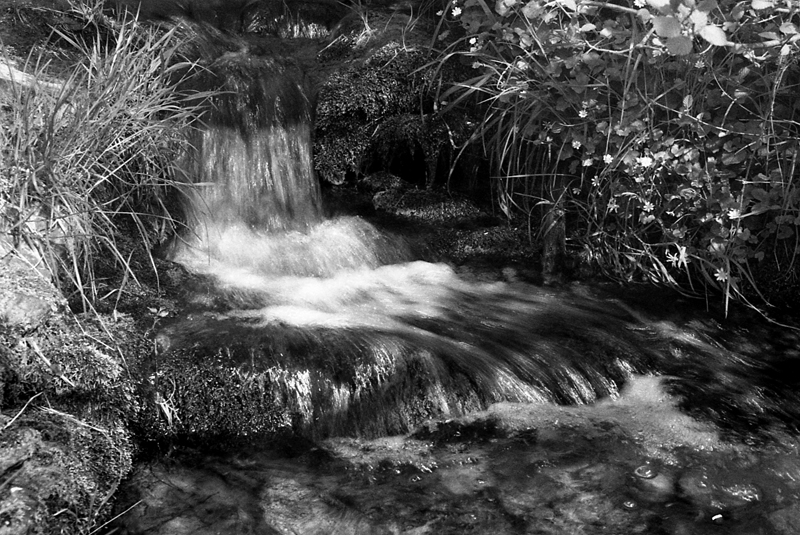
x=762, y=4
x=787, y=28
x=569, y=4
x=679, y=46
x=658, y=4
x=714, y=35
x=772, y=36
x=532, y=9
x=667, y=26
x=699, y=19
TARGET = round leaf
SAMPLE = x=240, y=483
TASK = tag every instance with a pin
x=714, y=35
x=667, y=26
x=679, y=46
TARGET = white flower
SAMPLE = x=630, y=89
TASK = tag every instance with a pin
x=700, y=64
x=734, y=213
x=721, y=275
x=473, y=40
x=639, y=179
x=583, y=114
x=576, y=144
x=522, y=65
x=439, y=13
x=640, y=3
x=612, y=205
x=608, y=158
x=645, y=161
x=456, y=11
x=648, y=206
x=587, y=162
x=681, y=258
x=596, y=181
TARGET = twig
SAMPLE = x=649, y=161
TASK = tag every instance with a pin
x=14, y=419
x=95, y=530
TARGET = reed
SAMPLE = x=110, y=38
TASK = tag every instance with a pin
x=90, y=161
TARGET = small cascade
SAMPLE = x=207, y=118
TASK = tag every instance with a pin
x=251, y=169
x=329, y=326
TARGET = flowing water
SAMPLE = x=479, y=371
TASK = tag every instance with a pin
x=420, y=399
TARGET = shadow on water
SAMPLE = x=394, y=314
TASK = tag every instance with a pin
x=419, y=401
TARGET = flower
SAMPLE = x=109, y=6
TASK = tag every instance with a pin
x=439, y=13
x=596, y=181
x=734, y=213
x=639, y=179
x=613, y=206
x=608, y=158
x=648, y=206
x=645, y=161
x=640, y=3
x=721, y=275
x=522, y=65
x=587, y=162
x=456, y=11
x=583, y=114
x=576, y=144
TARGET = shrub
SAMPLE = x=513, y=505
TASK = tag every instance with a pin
x=668, y=129
x=84, y=156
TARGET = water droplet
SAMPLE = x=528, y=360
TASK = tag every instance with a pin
x=416, y=479
x=646, y=472
x=629, y=504
x=717, y=518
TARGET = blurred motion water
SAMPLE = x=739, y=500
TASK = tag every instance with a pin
x=533, y=410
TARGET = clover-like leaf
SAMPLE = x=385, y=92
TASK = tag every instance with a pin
x=679, y=46
x=707, y=6
x=667, y=26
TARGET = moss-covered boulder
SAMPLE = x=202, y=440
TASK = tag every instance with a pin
x=67, y=392
x=377, y=110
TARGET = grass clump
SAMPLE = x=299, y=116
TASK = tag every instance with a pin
x=665, y=134
x=94, y=156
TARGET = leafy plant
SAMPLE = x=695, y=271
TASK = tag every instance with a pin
x=669, y=130
x=90, y=158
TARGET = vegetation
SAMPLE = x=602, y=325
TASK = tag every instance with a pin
x=88, y=157
x=668, y=131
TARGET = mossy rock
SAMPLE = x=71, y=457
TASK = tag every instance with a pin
x=60, y=471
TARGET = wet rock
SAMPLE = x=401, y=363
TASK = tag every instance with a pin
x=717, y=491
x=381, y=181
x=656, y=489
x=306, y=18
x=785, y=521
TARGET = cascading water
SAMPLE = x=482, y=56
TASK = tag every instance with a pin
x=327, y=327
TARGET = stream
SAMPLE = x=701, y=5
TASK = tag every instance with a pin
x=419, y=397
